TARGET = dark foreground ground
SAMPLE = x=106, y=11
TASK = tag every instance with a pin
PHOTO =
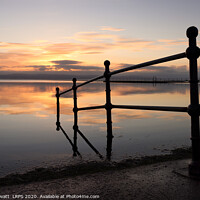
x=157, y=181
x=161, y=177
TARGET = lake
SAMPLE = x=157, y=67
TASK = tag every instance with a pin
x=28, y=136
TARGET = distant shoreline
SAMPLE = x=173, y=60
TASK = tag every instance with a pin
x=118, y=81
x=82, y=80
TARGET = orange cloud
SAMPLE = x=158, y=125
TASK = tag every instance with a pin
x=83, y=45
x=173, y=42
x=93, y=37
x=134, y=44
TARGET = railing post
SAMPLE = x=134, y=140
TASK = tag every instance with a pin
x=58, y=109
x=192, y=54
x=108, y=107
x=75, y=110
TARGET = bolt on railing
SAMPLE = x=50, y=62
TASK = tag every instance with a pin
x=192, y=53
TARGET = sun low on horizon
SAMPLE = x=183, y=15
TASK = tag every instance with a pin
x=77, y=36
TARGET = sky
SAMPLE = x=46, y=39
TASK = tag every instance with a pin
x=75, y=37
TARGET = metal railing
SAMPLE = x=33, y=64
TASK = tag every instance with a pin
x=192, y=53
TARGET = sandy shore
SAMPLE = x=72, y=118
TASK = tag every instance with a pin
x=156, y=181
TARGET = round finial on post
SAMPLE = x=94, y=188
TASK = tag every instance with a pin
x=107, y=64
x=74, y=80
x=57, y=91
x=74, y=84
x=192, y=52
x=192, y=32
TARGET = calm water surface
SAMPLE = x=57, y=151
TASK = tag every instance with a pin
x=28, y=136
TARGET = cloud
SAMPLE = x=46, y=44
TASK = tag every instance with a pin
x=61, y=48
x=135, y=41
x=103, y=41
x=12, y=45
x=173, y=42
x=39, y=67
x=66, y=62
x=112, y=41
x=73, y=48
x=78, y=68
x=32, y=56
x=135, y=44
x=26, y=68
x=59, y=65
x=83, y=71
x=93, y=37
x=72, y=65
x=18, y=56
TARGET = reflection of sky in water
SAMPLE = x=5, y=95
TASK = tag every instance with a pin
x=28, y=132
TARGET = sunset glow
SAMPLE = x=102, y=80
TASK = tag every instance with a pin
x=34, y=34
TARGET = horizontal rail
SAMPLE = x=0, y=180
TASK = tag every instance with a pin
x=145, y=64
x=153, y=62
x=91, y=108
x=89, y=81
x=158, y=108
x=65, y=91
